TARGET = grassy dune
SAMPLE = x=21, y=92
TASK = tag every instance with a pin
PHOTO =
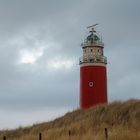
x=121, y=118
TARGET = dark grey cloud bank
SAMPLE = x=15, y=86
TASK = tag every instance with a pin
x=39, y=51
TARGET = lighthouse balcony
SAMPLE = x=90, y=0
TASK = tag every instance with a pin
x=92, y=44
x=97, y=59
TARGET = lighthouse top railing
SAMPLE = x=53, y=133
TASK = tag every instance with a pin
x=93, y=40
x=90, y=59
x=86, y=44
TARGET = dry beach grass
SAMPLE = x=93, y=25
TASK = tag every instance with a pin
x=122, y=119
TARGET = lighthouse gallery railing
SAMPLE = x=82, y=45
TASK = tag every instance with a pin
x=96, y=59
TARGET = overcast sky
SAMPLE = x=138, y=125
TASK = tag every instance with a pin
x=40, y=49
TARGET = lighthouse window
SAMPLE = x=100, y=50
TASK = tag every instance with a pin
x=91, y=50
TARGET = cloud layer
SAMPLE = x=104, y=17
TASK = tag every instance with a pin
x=40, y=47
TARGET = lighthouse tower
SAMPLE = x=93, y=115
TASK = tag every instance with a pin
x=93, y=78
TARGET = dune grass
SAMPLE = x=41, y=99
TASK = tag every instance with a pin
x=122, y=119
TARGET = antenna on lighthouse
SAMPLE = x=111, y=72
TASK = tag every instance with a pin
x=92, y=27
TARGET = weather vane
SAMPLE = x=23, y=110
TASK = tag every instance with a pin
x=92, y=27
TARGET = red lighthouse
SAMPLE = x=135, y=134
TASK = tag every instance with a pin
x=93, y=78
